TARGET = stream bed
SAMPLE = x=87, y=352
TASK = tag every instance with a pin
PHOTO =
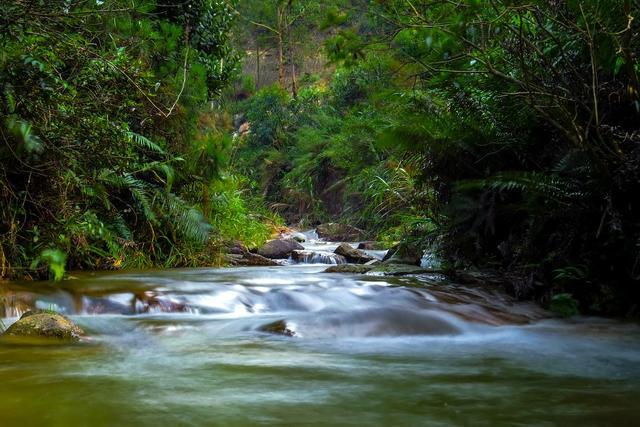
x=188, y=348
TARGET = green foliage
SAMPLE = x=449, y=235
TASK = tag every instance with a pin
x=571, y=273
x=345, y=48
x=100, y=140
x=564, y=305
x=238, y=216
x=55, y=260
x=507, y=132
x=269, y=115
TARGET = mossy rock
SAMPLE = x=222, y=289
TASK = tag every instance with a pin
x=43, y=324
x=352, y=255
x=373, y=246
x=404, y=253
x=349, y=268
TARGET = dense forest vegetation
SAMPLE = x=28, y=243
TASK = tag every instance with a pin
x=110, y=155
x=502, y=134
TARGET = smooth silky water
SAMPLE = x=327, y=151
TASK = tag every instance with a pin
x=185, y=347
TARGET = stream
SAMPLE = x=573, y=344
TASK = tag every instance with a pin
x=188, y=348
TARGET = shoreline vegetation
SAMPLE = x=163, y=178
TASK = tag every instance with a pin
x=501, y=136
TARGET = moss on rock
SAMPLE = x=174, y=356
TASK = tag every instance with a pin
x=45, y=324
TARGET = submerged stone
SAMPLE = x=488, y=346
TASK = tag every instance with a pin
x=278, y=327
x=43, y=324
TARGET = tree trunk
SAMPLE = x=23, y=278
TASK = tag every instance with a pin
x=281, y=72
x=294, y=82
x=257, y=63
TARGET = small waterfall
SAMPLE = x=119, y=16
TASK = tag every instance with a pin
x=317, y=257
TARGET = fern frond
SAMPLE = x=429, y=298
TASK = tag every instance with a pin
x=120, y=227
x=144, y=142
x=139, y=190
x=139, y=193
x=549, y=186
x=184, y=218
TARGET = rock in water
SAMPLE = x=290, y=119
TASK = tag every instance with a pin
x=43, y=324
x=280, y=248
x=278, y=327
x=403, y=254
x=349, y=268
x=355, y=256
x=299, y=237
x=398, y=270
x=251, y=260
x=334, y=232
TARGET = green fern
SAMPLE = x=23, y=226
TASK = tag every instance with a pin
x=138, y=189
x=145, y=143
x=120, y=226
x=549, y=186
x=185, y=219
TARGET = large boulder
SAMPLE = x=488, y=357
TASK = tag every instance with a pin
x=403, y=253
x=334, y=232
x=279, y=249
x=235, y=247
x=250, y=259
x=355, y=256
x=44, y=324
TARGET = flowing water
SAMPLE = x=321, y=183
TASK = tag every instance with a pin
x=188, y=348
